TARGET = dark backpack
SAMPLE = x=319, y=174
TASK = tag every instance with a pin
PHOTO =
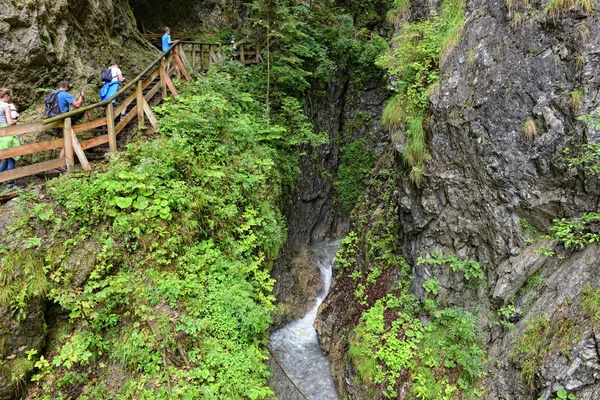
x=106, y=75
x=51, y=102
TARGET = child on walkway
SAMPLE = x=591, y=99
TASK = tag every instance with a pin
x=6, y=142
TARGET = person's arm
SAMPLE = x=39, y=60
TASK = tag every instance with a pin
x=9, y=119
x=77, y=103
x=121, y=77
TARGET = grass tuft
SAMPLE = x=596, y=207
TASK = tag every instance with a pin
x=576, y=99
x=529, y=128
x=393, y=114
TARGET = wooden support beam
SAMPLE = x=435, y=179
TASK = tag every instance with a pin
x=149, y=113
x=163, y=80
x=110, y=127
x=80, y=154
x=32, y=169
x=242, y=58
x=170, y=85
x=181, y=67
x=139, y=104
x=68, y=144
x=31, y=148
x=186, y=64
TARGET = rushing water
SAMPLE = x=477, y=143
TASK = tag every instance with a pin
x=296, y=345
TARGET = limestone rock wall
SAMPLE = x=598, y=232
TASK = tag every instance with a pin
x=46, y=41
x=488, y=185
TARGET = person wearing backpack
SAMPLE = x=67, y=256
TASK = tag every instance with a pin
x=112, y=77
x=6, y=142
x=63, y=100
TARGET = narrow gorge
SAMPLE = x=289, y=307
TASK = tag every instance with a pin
x=453, y=145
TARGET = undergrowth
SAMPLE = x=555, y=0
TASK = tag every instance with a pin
x=184, y=226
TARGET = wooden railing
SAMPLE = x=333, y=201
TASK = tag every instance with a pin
x=203, y=55
x=138, y=93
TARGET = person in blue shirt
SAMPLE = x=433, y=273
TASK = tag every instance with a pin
x=166, y=39
x=64, y=100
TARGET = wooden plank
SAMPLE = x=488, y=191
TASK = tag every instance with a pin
x=125, y=121
x=32, y=169
x=21, y=129
x=182, y=68
x=163, y=82
x=185, y=61
x=139, y=104
x=86, y=126
x=79, y=152
x=68, y=143
x=150, y=94
x=170, y=85
x=151, y=78
x=110, y=128
x=31, y=148
x=123, y=106
x=149, y=113
x=97, y=141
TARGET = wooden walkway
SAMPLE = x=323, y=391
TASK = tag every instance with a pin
x=153, y=84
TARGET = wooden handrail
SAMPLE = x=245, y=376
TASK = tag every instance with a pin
x=144, y=91
x=114, y=96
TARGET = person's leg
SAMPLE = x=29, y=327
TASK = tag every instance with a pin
x=11, y=165
x=6, y=165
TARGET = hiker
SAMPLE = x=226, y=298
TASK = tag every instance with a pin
x=6, y=142
x=112, y=82
x=64, y=100
x=166, y=39
x=233, y=47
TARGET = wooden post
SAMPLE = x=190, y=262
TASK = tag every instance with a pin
x=139, y=104
x=193, y=56
x=209, y=55
x=242, y=59
x=67, y=132
x=163, y=80
x=110, y=127
x=202, y=57
x=175, y=57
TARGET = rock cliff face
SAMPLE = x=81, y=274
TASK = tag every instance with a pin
x=488, y=188
x=44, y=42
x=348, y=113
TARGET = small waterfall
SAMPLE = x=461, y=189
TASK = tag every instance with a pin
x=296, y=345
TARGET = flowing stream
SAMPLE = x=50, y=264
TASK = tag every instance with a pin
x=296, y=345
